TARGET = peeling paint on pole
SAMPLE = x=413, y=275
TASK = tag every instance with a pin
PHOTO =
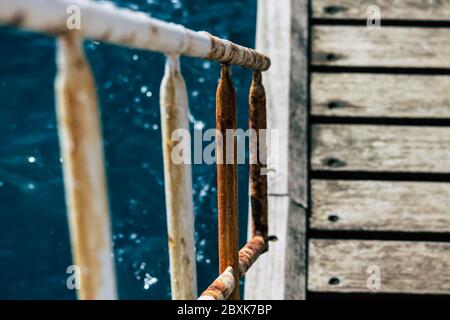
x=84, y=173
x=178, y=184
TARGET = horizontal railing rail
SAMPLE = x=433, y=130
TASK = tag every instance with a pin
x=104, y=22
x=81, y=142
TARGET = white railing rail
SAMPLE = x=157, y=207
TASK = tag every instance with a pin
x=79, y=125
x=105, y=22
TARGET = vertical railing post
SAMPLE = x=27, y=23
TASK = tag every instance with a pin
x=178, y=182
x=258, y=158
x=84, y=173
x=227, y=177
x=258, y=242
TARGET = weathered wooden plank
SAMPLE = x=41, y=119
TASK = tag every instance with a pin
x=384, y=47
x=389, y=9
x=380, y=206
x=381, y=148
x=282, y=33
x=380, y=95
x=404, y=267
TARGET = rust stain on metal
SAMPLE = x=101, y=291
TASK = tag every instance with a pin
x=189, y=45
x=227, y=182
x=230, y=53
x=106, y=35
x=258, y=163
x=227, y=178
x=221, y=288
x=250, y=253
x=84, y=176
x=18, y=19
x=21, y=19
x=129, y=39
x=154, y=29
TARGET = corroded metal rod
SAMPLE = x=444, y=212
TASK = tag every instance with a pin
x=258, y=163
x=250, y=253
x=228, y=227
x=227, y=177
x=105, y=22
x=84, y=174
x=221, y=288
x=178, y=183
x=227, y=52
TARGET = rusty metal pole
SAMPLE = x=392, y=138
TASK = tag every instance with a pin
x=227, y=177
x=178, y=182
x=250, y=253
x=258, y=163
x=84, y=173
x=221, y=288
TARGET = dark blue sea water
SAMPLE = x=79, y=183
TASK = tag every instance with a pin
x=34, y=239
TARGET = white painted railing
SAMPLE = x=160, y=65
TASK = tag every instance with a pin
x=82, y=145
x=105, y=22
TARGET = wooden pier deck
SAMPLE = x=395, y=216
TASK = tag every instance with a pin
x=360, y=201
